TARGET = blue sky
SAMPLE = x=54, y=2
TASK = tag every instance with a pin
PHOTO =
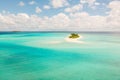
x=13, y=7
x=66, y=9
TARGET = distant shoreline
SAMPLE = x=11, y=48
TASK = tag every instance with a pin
x=59, y=31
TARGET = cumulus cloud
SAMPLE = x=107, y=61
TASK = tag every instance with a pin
x=77, y=21
x=38, y=10
x=20, y=22
x=74, y=8
x=46, y=7
x=91, y=3
x=60, y=19
x=114, y=13
x=97, y=3
x=32, y=2
x=115, y=7
x=59, y=3
x=21, y=3
x=85, y=22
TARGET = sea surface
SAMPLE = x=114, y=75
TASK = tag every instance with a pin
x=49, y=56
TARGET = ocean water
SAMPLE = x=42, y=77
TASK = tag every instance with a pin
x=49, y=56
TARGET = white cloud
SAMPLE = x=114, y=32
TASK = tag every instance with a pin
x=21, y=3
x=114, y=13
x=91, y=3
x=97, y=3
x=59, y=3
x=74, y=8
x=83, y=1
x=60, y=19
x=114, y=6
x=6, y=20
x=38, y=10
x=32, y=2
x=83, y=21
x=20, y=22
x=77, y=21
x=46, y=7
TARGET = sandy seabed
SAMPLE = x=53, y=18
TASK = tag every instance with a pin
x=77, y=40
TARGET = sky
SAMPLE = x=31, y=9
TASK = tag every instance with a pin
x=60, y=15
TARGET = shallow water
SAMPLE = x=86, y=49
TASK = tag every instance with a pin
x=48, y=56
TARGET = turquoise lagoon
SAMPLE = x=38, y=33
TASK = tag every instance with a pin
x=48, y=56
